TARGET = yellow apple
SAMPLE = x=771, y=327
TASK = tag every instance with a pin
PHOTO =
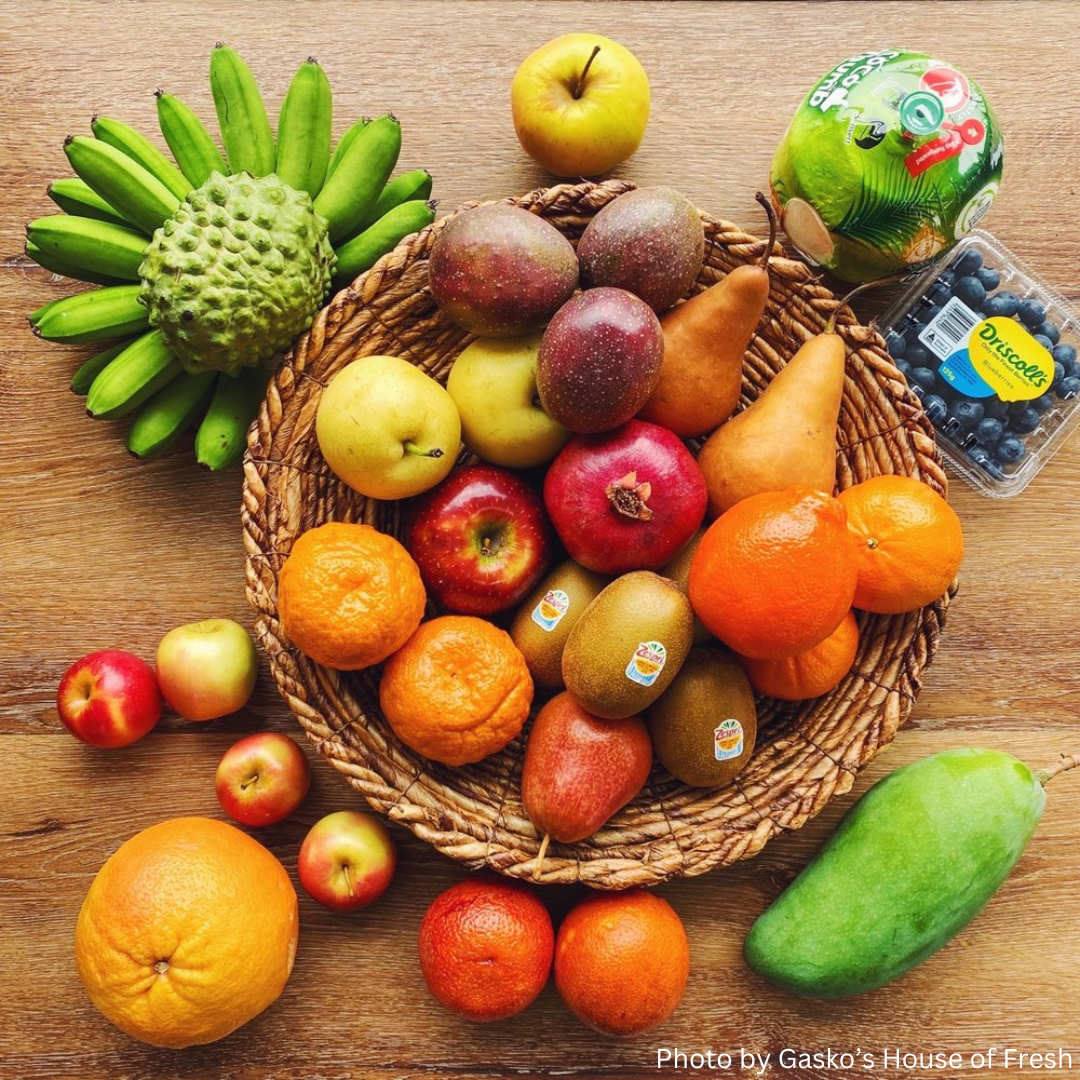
x=387, y=429
x=580, y=104
x=493, y=384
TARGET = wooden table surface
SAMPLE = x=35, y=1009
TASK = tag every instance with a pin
x=99, y=550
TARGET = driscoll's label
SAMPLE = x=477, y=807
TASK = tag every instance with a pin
x=548, y=613
x=647, y=663
x=985, y=358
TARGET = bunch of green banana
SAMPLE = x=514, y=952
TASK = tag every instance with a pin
x=126, y=191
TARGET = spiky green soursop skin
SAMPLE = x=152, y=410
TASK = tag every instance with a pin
x=237, y=272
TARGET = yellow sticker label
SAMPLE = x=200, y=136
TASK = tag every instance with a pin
x=1010, y=360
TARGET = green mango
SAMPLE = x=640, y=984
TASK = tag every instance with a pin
x=910, y=865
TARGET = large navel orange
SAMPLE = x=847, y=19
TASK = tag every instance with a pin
x=188, y=931
x=775, y=574
x=909, y=540
x=349, y=595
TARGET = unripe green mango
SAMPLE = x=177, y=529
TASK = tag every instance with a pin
x=910, y=865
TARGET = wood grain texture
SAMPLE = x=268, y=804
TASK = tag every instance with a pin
x=100, y=550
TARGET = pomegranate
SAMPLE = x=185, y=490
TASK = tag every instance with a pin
x=628, y=499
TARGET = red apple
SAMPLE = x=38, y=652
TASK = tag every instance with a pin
x=109, y=698
x=262, y=779
x=207, y=669
x=346, y=860
x=481, y=539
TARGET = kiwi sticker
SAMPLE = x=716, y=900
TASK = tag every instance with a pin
x=547, y=614
x=728, y=740
x=647, y=663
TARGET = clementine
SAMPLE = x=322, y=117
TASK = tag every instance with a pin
x=458, y=690
x=622, y=961
x=485, y=948
x=910, y=543
x=774, y=575
x=349, y=595
x=188, y=931
x=808, y=674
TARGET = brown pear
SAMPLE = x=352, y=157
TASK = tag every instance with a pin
x=787, y=436
x=704, y=342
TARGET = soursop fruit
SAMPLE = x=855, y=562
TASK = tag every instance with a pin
x=237, y=272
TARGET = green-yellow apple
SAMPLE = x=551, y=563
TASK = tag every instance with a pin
x=580, y=104
x=386, y=429
x=207, y=669
x=493, y=384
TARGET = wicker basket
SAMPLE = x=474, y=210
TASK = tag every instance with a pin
x=805, y=754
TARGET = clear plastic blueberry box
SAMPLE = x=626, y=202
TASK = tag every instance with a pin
x=992, y=354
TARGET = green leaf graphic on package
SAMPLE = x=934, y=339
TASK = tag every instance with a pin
x=210, y=267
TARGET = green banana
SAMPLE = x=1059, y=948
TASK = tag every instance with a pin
x=168, y=414
x=348, y=196
x=363, y=251
x=191, y=144
x=97, y=246
x=56, y=265
x=38, y=314
x=137, y=373
x=303, y=136
x=245, y=130
x=122, y=182
x=84, y=378
x=404, y=188
x=94, y=315
x=78, y=198
x=222, y=435
x=344, y=143
x=139, y=148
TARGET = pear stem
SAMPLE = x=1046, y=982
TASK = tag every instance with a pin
x=770, y=213
x=579, y=87
x=412, y=448
x=1064, y=764
x=540, y=856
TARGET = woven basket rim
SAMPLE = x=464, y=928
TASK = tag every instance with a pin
x=792, y=774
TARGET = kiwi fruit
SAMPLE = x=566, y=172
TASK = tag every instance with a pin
x=544, y=621
x=703, y=728
x=628, y=645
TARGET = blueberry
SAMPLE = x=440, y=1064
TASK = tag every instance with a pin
x=1024, y=420
x=1010, y=450
x=918, y=355
x=946, y=277
x=932, y=313
x=996, y=408
x=1031, y=312
x=1059, y=373
x=967, y=263
x=1066, y=355
x=1042, y=405
x=989, y=431
x=936, y=410
x=989, y=278
x=968, y=412
x=1002, y=304
x=1047, y=329
x=896, y=344
x=970, y=290
x=924, y=378
x=1069, y=388
x=982, y=458
x=1045, y=342
x=938, y=293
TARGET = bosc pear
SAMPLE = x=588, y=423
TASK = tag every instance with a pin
x=788, y=435
x=705, y=339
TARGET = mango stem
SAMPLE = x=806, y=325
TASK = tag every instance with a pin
x=1063, y=764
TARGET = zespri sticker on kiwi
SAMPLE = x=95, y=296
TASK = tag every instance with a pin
x=647, y=663
x=892, y=157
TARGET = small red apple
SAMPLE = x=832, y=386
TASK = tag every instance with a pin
x=109, y=698
x=262, y=779
x=346, y=860
x=207, y=669
x=481, y=539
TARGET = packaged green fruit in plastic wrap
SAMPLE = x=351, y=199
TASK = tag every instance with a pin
x=890, y=159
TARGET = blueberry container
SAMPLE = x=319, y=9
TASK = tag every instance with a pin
x=992, y=353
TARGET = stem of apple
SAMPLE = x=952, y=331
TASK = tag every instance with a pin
x=412, y=448
x=579, y=89
x=348, y=878
x=245, y=784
